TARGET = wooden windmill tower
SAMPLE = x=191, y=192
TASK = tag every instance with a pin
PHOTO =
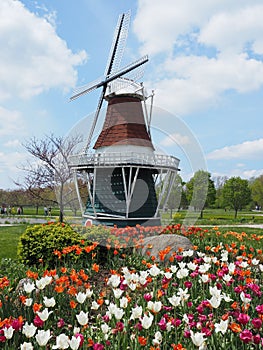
x=123, y=168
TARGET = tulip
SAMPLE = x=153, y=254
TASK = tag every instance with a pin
x=246, y=336
x=49, y=302
x=43, y=315
x=197, y=338
x=82, y=318
x=26, y=346
x=42, y=337
x=62, y=342
x=146, y=321
x=29, y=330
x=136, y=312
x=74, y=342
x=222, y=326
x=43, y=282
x=29, y=287
x=8, y=332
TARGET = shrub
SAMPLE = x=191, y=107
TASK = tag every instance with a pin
x=38, y=242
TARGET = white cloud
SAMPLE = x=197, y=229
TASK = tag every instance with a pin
x=12, y=143
x=222, y=36
x=245, y=150
x=244, y=174
x=177, y=138
x=232, y=31
x=159, y=24
x=11, y=123
x=33, y=57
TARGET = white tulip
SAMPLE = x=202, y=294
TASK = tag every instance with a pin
x=29, y=330
x=175, y=300
x=204, y=278
x=146, y=321
x=42, y=337
x=221, y=327
x=82, y=318
x=95, y=305
x=28, y=301
x=43, y=282
x=123, y=302
x=136, y=312
x=105, y=328
x=74, y=343
x=215, y=292
x=114, y=281
x=154, y=306
x=81, y=297
x=215, y=302
x=89, y=293
x=49, y=302
x=182, y=273
x=191, y=266
x=154, y=271
x=8, y=332
x=197, y=338
x=204, y=268
x=62, y=342
x=29, y=287
x=44, y=315
x=26, y=346
x=157, y=338
x=118, y=313
x=117, y=293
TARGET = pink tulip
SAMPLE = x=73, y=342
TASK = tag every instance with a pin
x=246, y=336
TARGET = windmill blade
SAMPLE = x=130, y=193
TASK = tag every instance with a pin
x=129, y=78
x=95, y=119
x=85, y=89
x=118, y=43
x=126, y=69
x=109, y=78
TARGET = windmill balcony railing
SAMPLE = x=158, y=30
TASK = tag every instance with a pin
x=110, y=159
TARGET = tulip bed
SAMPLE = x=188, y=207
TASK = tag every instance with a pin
x=209, y=297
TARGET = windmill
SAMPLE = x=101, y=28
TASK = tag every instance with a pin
x=123, y=168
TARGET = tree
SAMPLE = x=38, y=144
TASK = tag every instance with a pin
x=50, y=170
x=176, y=195
x=201, y=191
x=257, y=191
x=236, y=193
x=219, y=182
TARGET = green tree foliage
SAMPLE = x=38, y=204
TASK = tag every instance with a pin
x=201, y=191
x=219, y=182
x=177, y=195
x=257, y=191
x=236, y=193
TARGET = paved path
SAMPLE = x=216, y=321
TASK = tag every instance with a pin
x=16, y=220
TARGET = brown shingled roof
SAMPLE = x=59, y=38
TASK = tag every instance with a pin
x=124, y=123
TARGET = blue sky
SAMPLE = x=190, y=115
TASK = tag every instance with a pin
x=205, y=66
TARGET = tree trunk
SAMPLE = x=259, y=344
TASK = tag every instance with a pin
x=171, y=213
x=61, y=216
x=236, y=213
x=201, y=214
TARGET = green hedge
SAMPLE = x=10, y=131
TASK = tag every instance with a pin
x=38, y=243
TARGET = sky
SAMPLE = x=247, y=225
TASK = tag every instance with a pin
x=205, y=68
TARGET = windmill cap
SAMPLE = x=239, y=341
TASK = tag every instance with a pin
x=124, y=86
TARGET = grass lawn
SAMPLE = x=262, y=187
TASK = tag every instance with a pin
x=216, y=217
x=9, y=236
